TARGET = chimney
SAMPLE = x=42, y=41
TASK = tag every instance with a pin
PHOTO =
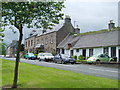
x=111, y=25
x=77, y=30
x=67, y=19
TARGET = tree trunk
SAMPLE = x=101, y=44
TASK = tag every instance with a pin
x=17, y=58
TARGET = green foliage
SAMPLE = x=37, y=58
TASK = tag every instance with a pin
x=36, y=54
x=75, y=57
x=3, y=49
x=53, y=52
x=100, y=31
x=1, y=34
x=81, y=57
x=81, y=61
x=38, y=14
x=30, y=14
x=77, y=60
x=32, y=76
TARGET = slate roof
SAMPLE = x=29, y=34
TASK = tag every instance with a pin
x=93, y=40
x=70, y=39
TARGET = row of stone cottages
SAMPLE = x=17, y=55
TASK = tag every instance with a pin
x=63, y=41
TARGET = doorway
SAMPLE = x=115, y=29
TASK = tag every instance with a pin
x=71, y=53
x=84, y=53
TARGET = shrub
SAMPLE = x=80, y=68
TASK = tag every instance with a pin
x=81, y=61
x=78, y=60
x=81, y=57
x=36, y=54
x=88, y=57
x=75, y=57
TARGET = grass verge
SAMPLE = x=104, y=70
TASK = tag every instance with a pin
x=32, y=76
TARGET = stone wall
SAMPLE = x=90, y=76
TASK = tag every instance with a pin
x=48, y=40
x=30, y=43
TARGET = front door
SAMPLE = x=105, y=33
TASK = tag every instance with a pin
x=71, y=53
x=84, y=53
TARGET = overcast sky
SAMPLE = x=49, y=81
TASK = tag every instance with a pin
x=89, y=15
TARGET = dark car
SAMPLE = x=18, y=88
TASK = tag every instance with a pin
x=63, y=59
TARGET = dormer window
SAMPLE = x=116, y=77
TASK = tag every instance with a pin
x=69, y=45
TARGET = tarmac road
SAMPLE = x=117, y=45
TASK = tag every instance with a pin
x=100, y=71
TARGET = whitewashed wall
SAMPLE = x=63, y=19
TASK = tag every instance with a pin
x=97, y=51
x=67, y=52
x=109, y=54
x=117, y=52
x=87, y=52
x=78, y=53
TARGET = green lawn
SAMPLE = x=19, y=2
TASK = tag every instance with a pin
x=32, y=76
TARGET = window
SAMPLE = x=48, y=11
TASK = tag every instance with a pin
x=42, y=41
x=26, y=44
x=106, y=50
x=102, y=56
x=46, y=41
x=69, y=45
x=113, y=51
x=90, y=52
x=38, y=41
x=31, y=42
x=51, y=40
x=63, y=51
x=77, y=50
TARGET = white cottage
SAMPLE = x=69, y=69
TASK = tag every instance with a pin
x=107, y=42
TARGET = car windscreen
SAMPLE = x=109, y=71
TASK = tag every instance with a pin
x=31, y=54
x=48, y=54
x=66, y=56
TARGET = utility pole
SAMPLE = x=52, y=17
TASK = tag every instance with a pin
x=74, y=23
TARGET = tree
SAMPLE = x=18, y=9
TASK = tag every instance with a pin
x=2, y=45
x=1, y=34
x=30, y=14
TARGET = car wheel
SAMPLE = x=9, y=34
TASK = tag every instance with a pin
x=55, y=61
x=97, y=61
x=72, y=63
x=62, y=62
x=45, y=60
x=112, y=61
x=39, y=59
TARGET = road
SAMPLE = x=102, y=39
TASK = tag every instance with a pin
x=108, y=72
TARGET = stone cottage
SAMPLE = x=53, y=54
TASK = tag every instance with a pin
x=88, y=44
x=48, y=42
x=12, y=48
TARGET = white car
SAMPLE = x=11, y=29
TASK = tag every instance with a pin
x=45, y=56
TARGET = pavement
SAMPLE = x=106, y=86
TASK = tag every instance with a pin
x=94, y=70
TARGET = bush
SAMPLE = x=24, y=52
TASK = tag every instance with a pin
x=81, y=61
x=36, y=54
x=88, y=57
x=78, y=60
x=75, y=57
x=81, y=57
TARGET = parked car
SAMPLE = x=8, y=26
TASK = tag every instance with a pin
x=30, y=56
x=99, y=58
x=63, y=59
x=45, y=56
x=7, y=56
